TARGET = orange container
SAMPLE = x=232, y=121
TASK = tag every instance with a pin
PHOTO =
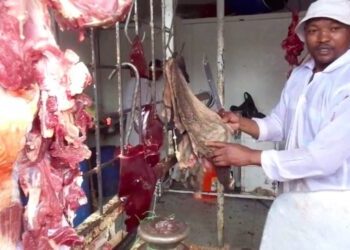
x=208, y=182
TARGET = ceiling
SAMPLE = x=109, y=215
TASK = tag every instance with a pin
x=192, y=8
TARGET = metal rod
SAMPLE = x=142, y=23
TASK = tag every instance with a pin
x=140, y=107
x=133, y=106
x=220, y=6
x=153, y=67
x=243, y=196
x=126, y=27
x=170, y=41
x=220, y=12
x=102, y=166
x=120, y=94
x=170, y=9
x=157, y=193
x=153, y=91
x=163, y=32
x=94, y=51
x=167, y=134
x=136, y=19
x=237, y=171
x=136, y=96
x=167, y=17
x=104, y=66
x=136, y=23
x=120, y=89
x=220, y=213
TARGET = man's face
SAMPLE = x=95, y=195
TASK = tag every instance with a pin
x=158, y=74
x=326, y=40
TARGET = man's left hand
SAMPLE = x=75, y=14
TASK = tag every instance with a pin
x=226, y=154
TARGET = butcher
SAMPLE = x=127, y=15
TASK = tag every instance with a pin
x=312, y=115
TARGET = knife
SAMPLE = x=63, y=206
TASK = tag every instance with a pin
x=212, y=83
x=223, y=173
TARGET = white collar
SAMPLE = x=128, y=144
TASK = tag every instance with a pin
x=339, y=62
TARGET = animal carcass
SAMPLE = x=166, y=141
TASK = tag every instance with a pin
x=42, y=130
x=194, y=122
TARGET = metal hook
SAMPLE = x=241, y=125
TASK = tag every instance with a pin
x=133, y=106
x=126, y=28
x=171, y=35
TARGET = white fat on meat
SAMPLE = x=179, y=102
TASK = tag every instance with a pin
x=75, y=14
x=81, y=199
x=63, y=78
x=34, y=191
x=77, y=82
x=37, y=29
x=17, y=9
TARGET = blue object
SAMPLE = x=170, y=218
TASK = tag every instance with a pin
x=246, y=7
x=23, y=198
x=85, y=210
x=110, y=173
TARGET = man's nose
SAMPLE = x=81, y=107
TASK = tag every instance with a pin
x=324, y=36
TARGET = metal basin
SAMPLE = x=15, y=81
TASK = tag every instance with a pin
x=163, y=233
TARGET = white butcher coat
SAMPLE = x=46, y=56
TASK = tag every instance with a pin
x=313, y=117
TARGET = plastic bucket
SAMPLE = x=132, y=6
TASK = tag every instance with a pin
x=246, y=7
x=85, y=210
x=110, y=174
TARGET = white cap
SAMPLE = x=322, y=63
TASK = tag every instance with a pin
x=338, y=10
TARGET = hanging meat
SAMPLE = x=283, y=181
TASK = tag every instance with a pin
x=291, y=44
x=42, y=130
x=17, y=113
x=49, y=172
x=195, y=123
x=19, y=96
x=75, y=14
x=137, y=166
x=137, y=57
x=137, y=184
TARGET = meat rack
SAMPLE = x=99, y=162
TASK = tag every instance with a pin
x=97, y=227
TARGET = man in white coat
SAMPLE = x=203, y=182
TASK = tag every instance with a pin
x=313, y=113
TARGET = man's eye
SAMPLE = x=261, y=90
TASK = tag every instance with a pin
x=336, y=28
x=311, y=31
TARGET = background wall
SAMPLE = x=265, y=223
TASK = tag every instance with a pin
x=254, y=59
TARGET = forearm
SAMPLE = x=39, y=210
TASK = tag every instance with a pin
x=255, y=157
x=249, y=126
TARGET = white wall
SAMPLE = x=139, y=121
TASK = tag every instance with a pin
x=254, y=59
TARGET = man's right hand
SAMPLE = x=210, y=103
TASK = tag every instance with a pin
x=231, y=119
x=238, y=123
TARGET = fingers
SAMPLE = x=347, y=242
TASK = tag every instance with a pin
x=217, y=161
x=230, y=117
x=215, y=144
x=219, y=154
x=222, y=112
x=220, y=161
x=226, y=117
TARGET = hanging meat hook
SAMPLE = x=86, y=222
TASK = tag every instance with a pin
x=126, y=28
x=136, y=94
